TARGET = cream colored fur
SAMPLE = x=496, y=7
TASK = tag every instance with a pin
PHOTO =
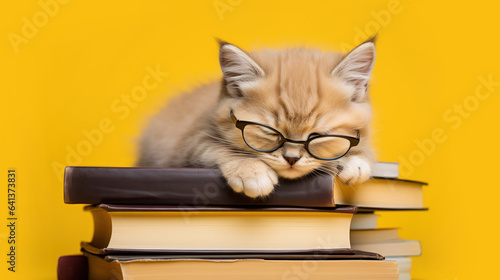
x=297, y=91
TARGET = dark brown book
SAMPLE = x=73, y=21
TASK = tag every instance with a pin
x=207, y=187
x=321, y=254
x=133, y=229
x=72, y=267
x=288, y=254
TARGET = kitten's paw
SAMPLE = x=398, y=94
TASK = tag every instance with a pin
x=355, y=170
x=251, y=176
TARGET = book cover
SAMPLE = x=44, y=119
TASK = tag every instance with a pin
x=207, y=187
x=72, y=267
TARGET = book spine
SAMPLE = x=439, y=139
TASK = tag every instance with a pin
x=184, y=187
x=72, y=267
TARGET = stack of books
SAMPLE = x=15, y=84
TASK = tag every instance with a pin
x=365, y=235
x=186, y=223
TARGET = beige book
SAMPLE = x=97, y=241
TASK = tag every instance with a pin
x=241, y=269
x=379, y=193
x=384, y=241
x=209, y=228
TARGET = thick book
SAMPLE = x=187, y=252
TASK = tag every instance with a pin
x=358, y=265
x=207, y=187
x=164, y=229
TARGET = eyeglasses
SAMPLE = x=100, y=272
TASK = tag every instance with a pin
x=263, y=138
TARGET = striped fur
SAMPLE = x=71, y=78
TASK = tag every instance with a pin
x=298, y=91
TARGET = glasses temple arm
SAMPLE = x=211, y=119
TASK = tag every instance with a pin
x=233, y=118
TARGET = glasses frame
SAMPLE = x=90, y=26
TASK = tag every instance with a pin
x=353, y=141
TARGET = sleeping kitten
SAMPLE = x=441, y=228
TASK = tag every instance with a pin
x=284, y=102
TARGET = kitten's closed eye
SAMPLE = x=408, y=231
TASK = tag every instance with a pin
x=261, y=137
x=270, y=133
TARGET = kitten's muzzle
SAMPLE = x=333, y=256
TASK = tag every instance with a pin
x=291, y=160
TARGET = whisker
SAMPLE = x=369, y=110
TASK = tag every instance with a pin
x=219, y=139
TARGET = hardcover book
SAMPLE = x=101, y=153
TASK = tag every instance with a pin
x=358, y=265
x=164, y=229
x=72, y=267
x=207, y=187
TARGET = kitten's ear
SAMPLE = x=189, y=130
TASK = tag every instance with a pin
x=238, y=68
x=357, y=66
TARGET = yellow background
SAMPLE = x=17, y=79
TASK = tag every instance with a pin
x=64, y=79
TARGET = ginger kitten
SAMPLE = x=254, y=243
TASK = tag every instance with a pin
x=276, y=113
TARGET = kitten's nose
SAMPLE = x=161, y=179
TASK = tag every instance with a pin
x=292, y=160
